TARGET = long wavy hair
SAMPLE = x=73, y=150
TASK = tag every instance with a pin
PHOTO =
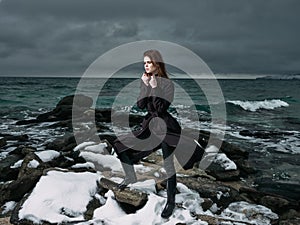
x=157, y=61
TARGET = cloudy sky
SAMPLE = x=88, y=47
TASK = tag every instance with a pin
x=63, y=37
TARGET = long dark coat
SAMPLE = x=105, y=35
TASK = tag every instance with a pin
x=157, y=126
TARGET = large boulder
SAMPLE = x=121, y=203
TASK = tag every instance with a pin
x=66, y=108
x=78, y=100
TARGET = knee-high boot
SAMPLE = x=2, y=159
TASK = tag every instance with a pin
x=171, y=192
x=171, y=182
x=130, y=176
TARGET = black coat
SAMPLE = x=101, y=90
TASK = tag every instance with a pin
x=157, y=126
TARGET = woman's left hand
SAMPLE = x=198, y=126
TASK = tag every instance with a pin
x=153, y=82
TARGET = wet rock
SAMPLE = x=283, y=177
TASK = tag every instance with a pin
x=291, y=217
x=6, y=172
x=219, y=193
x=234, y=152
x=93, y=204
x=278, y=204
x=291, y=221
x=26, y=122
x=14, y=218
x=22, y=150
x=262, y=134
x=67, y=160
x=284, y=188
x=63, y=123
x=207, y=204
x=103, y=115
x=26, y=169
x=211, y=220
x=65, y=143
x=2, y=141
x=67, y=108
x=244, y=167
x=221, y=174
x=238, y=155
x=10, y=137
x=15, y=190
x=78, y=100
x=25, y=181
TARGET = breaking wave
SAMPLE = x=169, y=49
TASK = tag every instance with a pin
x=256, y=105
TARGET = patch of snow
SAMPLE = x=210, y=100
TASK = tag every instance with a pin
x=60, y=196
x=83, y=145
x=84, y=165
x=8, y=206
x=225, y=162
x=107, y=161
x=99, y=148
x=33, y=164
x=47, y=155
x=251, y=213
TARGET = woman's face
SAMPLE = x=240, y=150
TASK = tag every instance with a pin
x=149, y=66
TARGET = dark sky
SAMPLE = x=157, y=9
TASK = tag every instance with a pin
x=63, y=37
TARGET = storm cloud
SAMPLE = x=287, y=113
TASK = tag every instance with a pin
x=63, y=37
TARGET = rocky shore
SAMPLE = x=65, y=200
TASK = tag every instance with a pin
x=24, y=166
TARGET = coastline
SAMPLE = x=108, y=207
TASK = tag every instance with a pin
x=65, y=145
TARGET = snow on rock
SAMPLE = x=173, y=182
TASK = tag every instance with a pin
x=99, y=148
x=112, y=214
x=107, y=161
x=48, y=155
x=33, y=164
x=254, y=214
x=17, y=164
x=142, y=169
x=147, y=186
x=213, y=155
x=225, y=162
x=45, y=156
x=60, y=196
x=63, y=196
x=83, y=145
x=84, y=165
x=8, y=206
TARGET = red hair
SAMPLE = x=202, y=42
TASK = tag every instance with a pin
x=157, y=61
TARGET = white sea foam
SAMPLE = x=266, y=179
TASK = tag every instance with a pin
x=256, y=105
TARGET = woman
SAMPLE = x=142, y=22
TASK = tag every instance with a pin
x=159, y=129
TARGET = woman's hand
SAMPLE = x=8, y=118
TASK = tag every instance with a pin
x=145, y=79
x=153, y=82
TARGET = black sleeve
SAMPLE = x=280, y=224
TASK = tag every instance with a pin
x=163, y=96
x=142, y=100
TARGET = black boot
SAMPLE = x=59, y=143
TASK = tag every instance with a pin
x=171, y=192
x=128, y=168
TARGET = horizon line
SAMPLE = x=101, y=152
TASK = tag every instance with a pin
x=173, y=75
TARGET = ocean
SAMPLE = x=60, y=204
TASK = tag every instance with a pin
x=262, y=115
